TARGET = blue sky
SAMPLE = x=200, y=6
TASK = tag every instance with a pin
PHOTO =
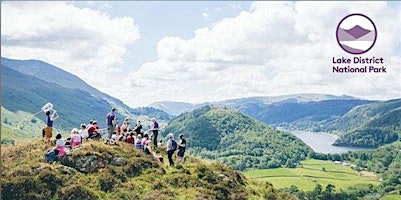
x=197, y=51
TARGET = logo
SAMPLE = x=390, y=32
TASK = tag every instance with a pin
x=356, y=34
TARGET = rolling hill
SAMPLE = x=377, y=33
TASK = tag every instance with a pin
x=369, y=125
x=237, y=140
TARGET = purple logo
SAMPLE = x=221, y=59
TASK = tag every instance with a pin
x=356, y=34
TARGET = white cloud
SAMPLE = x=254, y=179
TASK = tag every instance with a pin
x=205, y=15
x=85, y=42
x=275, y=48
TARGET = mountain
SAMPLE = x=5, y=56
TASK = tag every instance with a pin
x=370, y=125
x=173, y=108
x=237, y=140
x=28, y=85
x=301, y=110
x=99, y=171
x=54, y=75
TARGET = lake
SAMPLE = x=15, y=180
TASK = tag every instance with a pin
x=322, y=142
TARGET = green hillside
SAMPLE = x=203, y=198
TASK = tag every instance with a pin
x=232, y=138
x=99, y=171
x=28, y=85
x=369, y=125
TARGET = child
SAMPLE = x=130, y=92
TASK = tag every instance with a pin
x=60, y=145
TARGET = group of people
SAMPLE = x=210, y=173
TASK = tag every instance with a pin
x=142, y=140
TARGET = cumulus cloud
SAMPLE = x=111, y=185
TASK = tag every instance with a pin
x=274, y=48
x=85, y=42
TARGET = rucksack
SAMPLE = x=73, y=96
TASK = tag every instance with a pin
x=51, y=156
x=173, y=145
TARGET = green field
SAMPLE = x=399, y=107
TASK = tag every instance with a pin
x=391, y=197
x=20, y=126
x=311, y=173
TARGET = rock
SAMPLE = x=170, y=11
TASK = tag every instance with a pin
x=119, y=161
x=36, y=171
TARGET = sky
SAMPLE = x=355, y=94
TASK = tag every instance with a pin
x=201, y=51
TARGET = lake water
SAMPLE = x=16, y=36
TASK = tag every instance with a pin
x=322, y=142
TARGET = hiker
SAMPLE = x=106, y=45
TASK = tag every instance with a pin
x=155, y=130
x=147, y=150
x=114, y=138
x=144, y=139
x=138, y=128
x=83, y=132
x=181, y=149
x=130, y=138
x=123, y=135
x=126, y=124
x=76, y=139
x=60, y=145
x=160, y=144
x=44, y=133
x=171, y=147
x=138, y=142
x=93, y=130
x=49, y=125
x=111, y=122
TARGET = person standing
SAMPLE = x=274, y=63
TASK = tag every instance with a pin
x=138, y=128
x=181, y=148
x=111, y=121
x=155, y=130
x=171, y=146
x=49, y=125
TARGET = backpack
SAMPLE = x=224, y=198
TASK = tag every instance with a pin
x=51, y=156
x=173, y=145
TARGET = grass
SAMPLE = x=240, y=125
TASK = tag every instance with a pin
x=391, y=197
x=27, y=176
x=311, y=173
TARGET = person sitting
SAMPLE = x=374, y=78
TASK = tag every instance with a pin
x=144, y=139
x=60, y=145
x=138, y=142
x=83, y=132
x=93, y=130
x=123, y=135
x=130, y=138
x=76, y=139
x=160, y=143
x=147, y=150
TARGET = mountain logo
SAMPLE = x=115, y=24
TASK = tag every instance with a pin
x=356, y=33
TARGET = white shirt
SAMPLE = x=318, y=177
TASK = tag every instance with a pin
x=83, y=133
x=60, y=142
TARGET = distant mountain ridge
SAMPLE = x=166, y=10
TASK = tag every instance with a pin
x=52, y=74
x=297, y=109
x=28, y=85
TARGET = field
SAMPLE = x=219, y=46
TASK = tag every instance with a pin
x=313, y=172
x=20, y=126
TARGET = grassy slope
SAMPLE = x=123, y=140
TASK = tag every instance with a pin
x=311, y=174
x=19, y=125
x=27, y=176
